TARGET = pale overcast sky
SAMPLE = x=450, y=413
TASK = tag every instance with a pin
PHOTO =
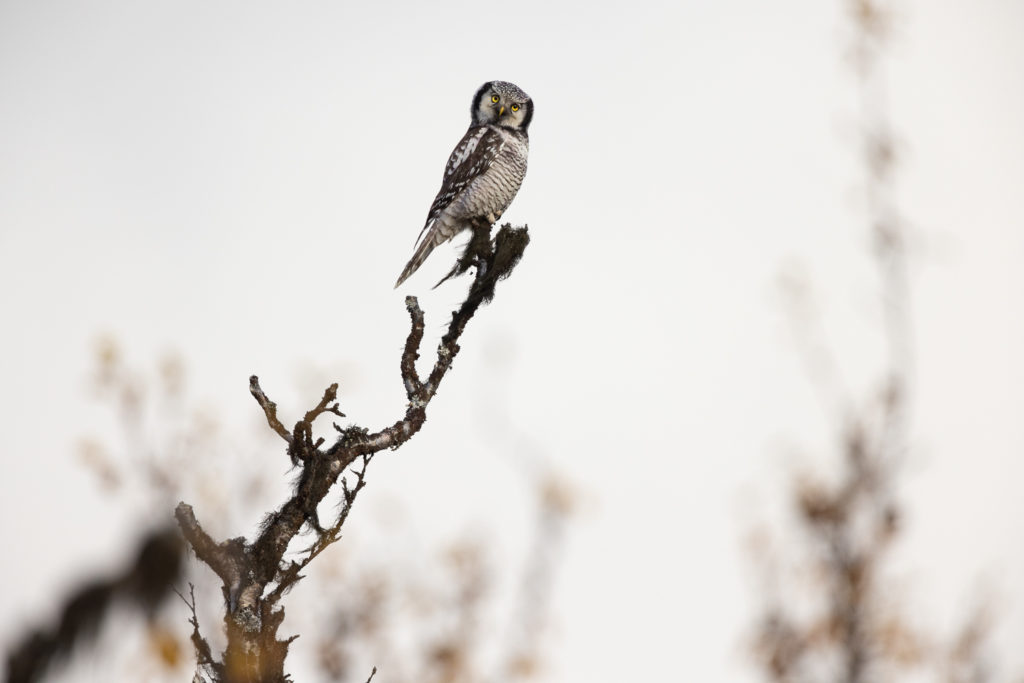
x=242, y=182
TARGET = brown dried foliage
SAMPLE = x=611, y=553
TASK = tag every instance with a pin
x=856, y=632
x=436, y=624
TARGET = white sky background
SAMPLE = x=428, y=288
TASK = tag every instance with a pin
x=243, y=184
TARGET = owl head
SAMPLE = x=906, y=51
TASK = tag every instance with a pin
x=502, y=104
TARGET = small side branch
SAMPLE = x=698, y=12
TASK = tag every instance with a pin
x=325, y=538
x=411, y=353
x=269, y=408
x=327, y=404
x=226, y=559
x=204, y=656
x=302, y=447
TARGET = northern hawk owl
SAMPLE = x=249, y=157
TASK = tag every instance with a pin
x=484, y=171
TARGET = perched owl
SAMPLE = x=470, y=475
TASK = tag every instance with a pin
x=484, y=171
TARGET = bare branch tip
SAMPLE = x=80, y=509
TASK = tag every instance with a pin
x=269, y=408
x=415, y=312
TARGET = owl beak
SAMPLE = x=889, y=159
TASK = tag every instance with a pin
x=501, y=111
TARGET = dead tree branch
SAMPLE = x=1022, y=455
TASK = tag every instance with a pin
x=254, y=574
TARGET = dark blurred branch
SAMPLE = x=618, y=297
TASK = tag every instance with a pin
x=254, y=654
x=143, y=586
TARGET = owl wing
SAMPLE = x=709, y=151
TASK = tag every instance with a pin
x=470, y=159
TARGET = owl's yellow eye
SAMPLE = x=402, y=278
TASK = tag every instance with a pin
x=495, y=98
x=515, y=107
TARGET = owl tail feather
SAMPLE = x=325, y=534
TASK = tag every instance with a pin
x=419, y=256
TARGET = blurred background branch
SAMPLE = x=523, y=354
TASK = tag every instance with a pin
x=847, y=623
x=142, y=587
